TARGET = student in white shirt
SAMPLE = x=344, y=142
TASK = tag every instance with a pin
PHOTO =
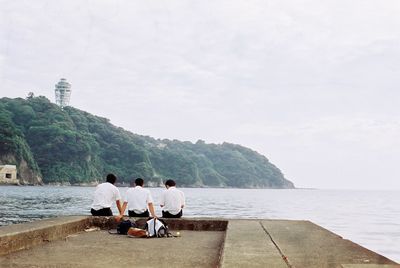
x=138, y=199
x=106, y=193
x=172, y=201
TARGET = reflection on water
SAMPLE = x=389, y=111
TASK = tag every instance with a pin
x=369, y=218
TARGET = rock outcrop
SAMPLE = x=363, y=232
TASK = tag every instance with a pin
x=25, y=175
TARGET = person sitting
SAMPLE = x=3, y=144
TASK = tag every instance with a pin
x=138, y=200
x=172, y=201
x=106, y=193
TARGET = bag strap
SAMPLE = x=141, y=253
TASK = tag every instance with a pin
x=154, y=226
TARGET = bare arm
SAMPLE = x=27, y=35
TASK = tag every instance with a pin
x=152, y=212
x=121, y=212
x=183, y=200
x=162, y=200
x=124, y=207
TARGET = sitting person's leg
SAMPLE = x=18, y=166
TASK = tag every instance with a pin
x=102, y=212
x=132, y=213
x=166, y=214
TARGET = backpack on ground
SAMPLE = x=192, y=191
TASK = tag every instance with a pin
x=157, y=228
x=123, y=226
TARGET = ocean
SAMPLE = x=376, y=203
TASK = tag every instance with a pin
x=368, y=218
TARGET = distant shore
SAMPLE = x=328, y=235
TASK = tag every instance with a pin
x=94, y=184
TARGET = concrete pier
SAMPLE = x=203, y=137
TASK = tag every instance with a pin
x=82, y=241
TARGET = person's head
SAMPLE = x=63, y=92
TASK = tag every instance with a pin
x=139, y=182
x=111, y=178
x=170, y=183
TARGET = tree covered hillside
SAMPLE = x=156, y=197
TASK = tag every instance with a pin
x=73, y=146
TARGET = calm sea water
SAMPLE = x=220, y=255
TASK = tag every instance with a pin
x=369, y=218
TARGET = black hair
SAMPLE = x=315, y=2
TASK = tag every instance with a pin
x=139, y=181
x=170, y=183
x=111, y=178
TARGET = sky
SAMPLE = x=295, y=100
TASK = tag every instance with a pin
x=312, y=85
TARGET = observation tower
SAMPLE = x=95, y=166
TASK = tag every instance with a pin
x=63, y=93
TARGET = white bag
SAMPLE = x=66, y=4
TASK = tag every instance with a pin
x=157, y=228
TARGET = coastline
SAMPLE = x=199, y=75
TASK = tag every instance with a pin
x=94, y=184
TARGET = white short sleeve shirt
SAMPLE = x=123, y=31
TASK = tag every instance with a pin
x=172, y=200
x=138, y=198
x=105, y=195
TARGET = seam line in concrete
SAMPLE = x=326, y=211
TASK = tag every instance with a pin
x=285, y=259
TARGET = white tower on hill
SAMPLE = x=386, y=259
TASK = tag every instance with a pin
x=63, y=93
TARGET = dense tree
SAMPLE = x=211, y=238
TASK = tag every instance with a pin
x=13, y=143
x=72, y=146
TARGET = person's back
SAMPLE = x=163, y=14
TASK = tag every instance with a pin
x=172, y=201
x=104, y=196
x=138, y=199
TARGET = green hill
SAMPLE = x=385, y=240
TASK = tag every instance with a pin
x=68, y=145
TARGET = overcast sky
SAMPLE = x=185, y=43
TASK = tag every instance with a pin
x=312, y=85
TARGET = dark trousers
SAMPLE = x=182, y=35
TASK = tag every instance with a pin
x=166, y=214
x=101, y=212
x=132, y=213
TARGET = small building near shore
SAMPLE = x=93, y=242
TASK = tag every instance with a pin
x=8, y=174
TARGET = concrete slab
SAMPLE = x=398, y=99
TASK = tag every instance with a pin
x=12, y=229
x=100, y=249
x=62, y=242
x=369, y=266
x=26, y=235
x=247, y=245
x=308, y=245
